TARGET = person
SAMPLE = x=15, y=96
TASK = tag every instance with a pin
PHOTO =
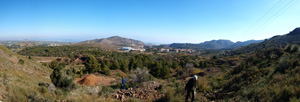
x=191, y=88
x=123, y=83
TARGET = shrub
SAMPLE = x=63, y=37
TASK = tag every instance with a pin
x=91, y=64
x=45, y=64
x=43, y=89
x=288, y=48
x=63, y=78
x=295, y=48
x=106, y=70
x=170, y=96
x=105, y=91
x=283, y=64
x=202, y=85
x=34, y=97
x=59, y=92
x=53, y=64
x=21, y=61
x=140, y=75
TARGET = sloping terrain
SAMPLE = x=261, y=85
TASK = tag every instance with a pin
x=265, y=75
x=276, y=41
x=19, y=76
x=245, y=43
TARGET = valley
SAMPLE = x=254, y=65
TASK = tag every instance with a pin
x=89, y=73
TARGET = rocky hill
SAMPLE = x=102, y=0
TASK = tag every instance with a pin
x=20, y=77
x=292, y=37
x=114, y=41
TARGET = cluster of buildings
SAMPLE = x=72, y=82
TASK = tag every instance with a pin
x=53, y=44
x=163, y=50
x=138, y=49
x=175, y=50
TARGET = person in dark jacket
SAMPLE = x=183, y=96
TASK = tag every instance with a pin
x=191, y=88
x=123, y=83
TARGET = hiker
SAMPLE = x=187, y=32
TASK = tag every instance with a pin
x=123, y=83
x=191, y=88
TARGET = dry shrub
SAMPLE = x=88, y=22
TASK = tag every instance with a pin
x=202, y=85
x=171, y=96
x=140, y=75
x=133, y=100
x=196, y=71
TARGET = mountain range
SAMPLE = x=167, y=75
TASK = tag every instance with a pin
x=243, y=47
x=117, y=42
x=214, y=44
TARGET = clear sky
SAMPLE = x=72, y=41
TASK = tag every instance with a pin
x=152, y=21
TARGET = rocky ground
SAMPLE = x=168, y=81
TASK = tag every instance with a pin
x=149, y=91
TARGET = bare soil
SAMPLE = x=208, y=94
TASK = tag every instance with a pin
x=92, y=80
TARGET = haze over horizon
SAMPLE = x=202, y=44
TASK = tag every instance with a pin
x=151, y=21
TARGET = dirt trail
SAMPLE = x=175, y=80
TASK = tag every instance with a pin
x=92, y=80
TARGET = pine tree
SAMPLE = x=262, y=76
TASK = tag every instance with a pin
x=106, y=70
x=115, y=65
x=53, y=64
x=91, y=64
x=124, y=65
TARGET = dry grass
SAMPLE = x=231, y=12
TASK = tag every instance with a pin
x=20, y=81
x=203, y=84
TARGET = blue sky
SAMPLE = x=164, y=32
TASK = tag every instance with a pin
x=152, y=21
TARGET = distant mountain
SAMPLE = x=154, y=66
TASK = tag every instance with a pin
x=245, y=43
x=214, y=44
x=276, y=41
x=112, y=42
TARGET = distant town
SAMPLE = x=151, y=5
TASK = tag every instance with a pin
x=19, y=45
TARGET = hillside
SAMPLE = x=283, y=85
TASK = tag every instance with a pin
x=245, y=43
x=20, y=77
x=113, y=42
x=265, y=75
x=214, y=44
x=276, y=41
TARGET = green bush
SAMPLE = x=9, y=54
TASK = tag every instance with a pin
x=92, y=65
x=105, y=91
x=295, y=48
x=106, y=70
x=45, y=64
x=59, y=92
x=171, y=96
x=140, y=75
x=63, y=78
x=288, y=48
x=43, y=89
x=53, y=64
x=21, y=61
x=283, y=64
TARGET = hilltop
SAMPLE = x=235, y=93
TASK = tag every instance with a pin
x=274, y=42
x=112, y=42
